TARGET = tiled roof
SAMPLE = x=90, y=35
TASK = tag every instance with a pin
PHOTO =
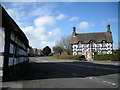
x=97, y=37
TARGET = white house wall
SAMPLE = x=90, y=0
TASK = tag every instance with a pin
x=2, y=39
x=98, y=48
x=2, y=44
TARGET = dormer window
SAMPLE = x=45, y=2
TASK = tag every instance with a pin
x=103, y=44
x=91, y=43
x=80, y=45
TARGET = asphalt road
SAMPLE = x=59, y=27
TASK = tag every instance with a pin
x=44, y=72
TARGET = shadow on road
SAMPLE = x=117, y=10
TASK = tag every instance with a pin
x=65, y=70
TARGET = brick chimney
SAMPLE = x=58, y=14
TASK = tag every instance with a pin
x=108, y=28
x=74, y=32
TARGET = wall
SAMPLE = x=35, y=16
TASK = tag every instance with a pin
x=96, y=48
x=2, y=44
x=14, y=45
x=17, y=50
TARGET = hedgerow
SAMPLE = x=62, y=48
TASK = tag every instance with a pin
x=74, y=57
x=112, y=57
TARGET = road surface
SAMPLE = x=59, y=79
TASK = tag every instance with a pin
x=45, y=72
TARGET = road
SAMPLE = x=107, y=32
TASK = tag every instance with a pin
x=45, y=72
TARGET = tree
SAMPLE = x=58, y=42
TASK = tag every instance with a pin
x=46, y=50
x=57, y=49
x=64, y=43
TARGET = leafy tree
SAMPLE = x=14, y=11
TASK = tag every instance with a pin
x=46, y=50
x=57, y=49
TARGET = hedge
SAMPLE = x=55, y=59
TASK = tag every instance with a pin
x=74, y=57
x=112, y=57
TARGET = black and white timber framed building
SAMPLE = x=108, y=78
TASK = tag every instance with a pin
x=97, y=43
x=13, y=46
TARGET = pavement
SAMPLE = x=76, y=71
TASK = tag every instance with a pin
x=108, y=62
x=44, y=72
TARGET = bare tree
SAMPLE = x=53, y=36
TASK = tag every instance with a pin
x=64, y=43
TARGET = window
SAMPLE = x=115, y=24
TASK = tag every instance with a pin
x=91, y=44
x=80, y=45
x=11, y=48
x=103, y=44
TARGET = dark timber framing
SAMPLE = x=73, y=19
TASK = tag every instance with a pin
x=15, y=47
x=97, y=43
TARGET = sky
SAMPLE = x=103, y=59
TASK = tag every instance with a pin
x=44, y=23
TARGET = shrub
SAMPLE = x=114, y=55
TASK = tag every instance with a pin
x=65, y=56
x=51, y=54
x=57, y=49
x=112, y=57
x=74, y=57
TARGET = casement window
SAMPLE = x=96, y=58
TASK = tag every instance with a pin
x=12, y=48
x=75, y=46
x=12, y=36
x=79, y=45
x=17, y=52
x=103, y=44
x=91, y=44
x=10, y=62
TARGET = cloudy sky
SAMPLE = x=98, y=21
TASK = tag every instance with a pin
x=44, y=23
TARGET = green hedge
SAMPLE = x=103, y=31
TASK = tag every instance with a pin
x=112, y=57
x=74, y=57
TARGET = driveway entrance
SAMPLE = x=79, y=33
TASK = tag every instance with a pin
x=89, y=56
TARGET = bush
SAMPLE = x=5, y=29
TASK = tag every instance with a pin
x=57, y=49
x=74, y=57
x=65, y=56
x=55, y=56
x=51, y=54
x=112, y=57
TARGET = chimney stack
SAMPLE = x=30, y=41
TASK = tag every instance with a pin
x=74, y=31
x=108, y=28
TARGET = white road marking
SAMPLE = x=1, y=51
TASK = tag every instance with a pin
x=104, y=81
x=113, y=84
x=90, y=78
x=109, y=83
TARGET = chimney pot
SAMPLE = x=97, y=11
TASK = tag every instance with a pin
x=108, y=28
x=74, y=31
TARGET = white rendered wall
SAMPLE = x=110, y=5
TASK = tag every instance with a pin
x=80, y=48
x=2, y=44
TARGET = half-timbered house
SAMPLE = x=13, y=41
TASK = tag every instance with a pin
x=13, y=47
x=97, y=43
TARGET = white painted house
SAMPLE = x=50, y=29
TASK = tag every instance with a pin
x=97, y=43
